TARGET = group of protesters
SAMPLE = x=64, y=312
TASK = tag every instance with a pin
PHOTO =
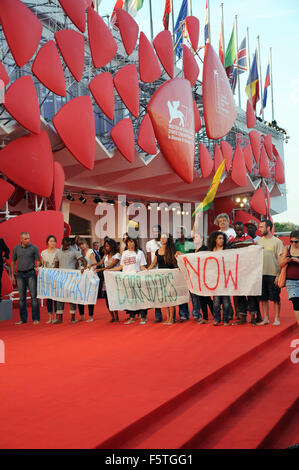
x=161, y=252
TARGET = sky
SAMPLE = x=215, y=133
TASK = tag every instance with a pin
x=277, y=24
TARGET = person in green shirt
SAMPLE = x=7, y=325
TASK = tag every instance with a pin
x=183, y=246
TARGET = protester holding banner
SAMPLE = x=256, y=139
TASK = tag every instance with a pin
x=151, y=247
x=48, y=261
x=222, y=220
x=110, y=260
x=200, y=301
x=91, y=261
x=218, y=241
x=66, y=258
x=165, y=258
x=290, y=261
x=183, y=246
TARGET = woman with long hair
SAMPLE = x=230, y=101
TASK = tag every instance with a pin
x=89, y=255
x=290, y=258
x=165, y=257
x=48, y=261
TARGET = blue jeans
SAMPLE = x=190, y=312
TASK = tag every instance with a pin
x=158, y=314
x=50, y=306
x=196, y=306
x=217, y=301
x=184, y=312
x=24, y=281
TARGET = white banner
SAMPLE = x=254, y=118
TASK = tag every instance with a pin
x=228, y=272
x=68, y=285
x=145, y=289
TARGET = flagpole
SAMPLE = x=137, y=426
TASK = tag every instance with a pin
x=249, y=62
x=172, y=17
x=260, y=75
x=272, y=95
x=222, y=28
x=209, y=22
x=151, y=20
x=238, y=78
x=190, y=7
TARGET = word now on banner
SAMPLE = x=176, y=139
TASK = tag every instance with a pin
x=228, y=272
x=146, y=289
x=68, y=285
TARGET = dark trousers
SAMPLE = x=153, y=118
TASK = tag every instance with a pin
x=217, y=301
x=132, y=313
x=50, y=304
x=101, y=278
x=206, y=302
x=28, y=281
x=250, y=303
x=1, y=272
x=90, y=309
x=184, y=312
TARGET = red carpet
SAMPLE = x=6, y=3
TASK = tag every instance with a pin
x=115, y=386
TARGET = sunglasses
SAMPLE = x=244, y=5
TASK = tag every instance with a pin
x=294, y=241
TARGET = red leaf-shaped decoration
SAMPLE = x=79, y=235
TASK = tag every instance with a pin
x=127, y=85
x=102, y=44
x=192, y=26
x=22, y=30
x=227, y=153
x=21, y=102
x=146, y=137
x=75, y=125
x=268, y=204
x=238, y=173
x=255, y=141
x=47, y=67
x=171, y=111
x=279, y=171
x=264, y=166
x=149, y=67
x=248, y=157
x=268, y=146
x=71, y=46
x=258, y=202
x=75, y=10
x=58, y=185
x=28, y=162
x=102, y=90
x=275, y=151
x=250, y=116
x=122, y=135
x=6, y=190
x=218, y=101
x=3, y=76
x=38, y=224
x=164, y=47
x=128, y=28
x=206, y=161
x=218, y=157
x=197, y=118
x=191, y=69
x=7, y=287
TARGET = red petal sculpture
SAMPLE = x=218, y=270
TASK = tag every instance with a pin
x=122, y=135
x=279, y=171
x=146, y=137
x=227, y=153
x=102, y=90
x=6, y=190
x=268, y=204
x=58, y=185
x=75, y=10
x=264, y=166
x=218, y=101
x=21, y=102
x=47, y=67
x=248, y=157
x=218, y=157
x=38, y=224
x=192, y=26
x=128, y=28
x=22, y=30
x=102, y=44
x=255, y=141
x=171, y=111
x=197, y=118
x=71, y=46
x=127, y=85
x=7, y=287
x=268, y=146
x=206, y=161
x=4, y=75
x=258, y=203
x=238, y=173
x=28, y=162
x=191, y=69
x=149, y=67
x=164, y=47
x=75, y=125
x=250, y=116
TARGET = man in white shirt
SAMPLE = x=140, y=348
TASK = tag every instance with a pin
x=222, y=220
x=151, y=247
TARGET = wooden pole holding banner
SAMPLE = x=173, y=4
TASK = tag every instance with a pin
x=249, y=61
x=151, y=20
x=271, y=78
x=238, y=77
x=260, y=74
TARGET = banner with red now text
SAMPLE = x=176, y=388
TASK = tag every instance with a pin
x=225, y=272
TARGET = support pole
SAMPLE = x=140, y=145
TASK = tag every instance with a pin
x=151, y=20
x=238, y=77
x=260, y=74
x=249, y=62
x=271, y=78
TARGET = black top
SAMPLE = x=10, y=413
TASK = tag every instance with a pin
x=161, y=262
x=3, y=250
x=202, y=248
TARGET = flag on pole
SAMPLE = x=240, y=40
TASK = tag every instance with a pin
x=253, y=82
x=240, y=64
x=167, y=11
x=210, y=196
x=267, y=84
x=131, y=6
x=207, y=24
x=180, y=28
x=230, y=54
x=221, y=44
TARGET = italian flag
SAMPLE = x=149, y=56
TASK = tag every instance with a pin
x=131, y=6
